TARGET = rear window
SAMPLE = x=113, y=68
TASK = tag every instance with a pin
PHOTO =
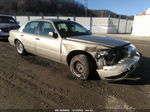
x=7, y=19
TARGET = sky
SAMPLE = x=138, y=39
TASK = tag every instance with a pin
x=126, y=7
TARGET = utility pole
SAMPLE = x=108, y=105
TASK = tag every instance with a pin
x=86, y=7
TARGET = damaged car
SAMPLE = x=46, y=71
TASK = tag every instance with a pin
x=70, y=43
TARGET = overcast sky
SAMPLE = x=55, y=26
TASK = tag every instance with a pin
x=127, y=7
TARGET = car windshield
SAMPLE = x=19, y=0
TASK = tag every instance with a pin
x=68, y=28
x=4, y=19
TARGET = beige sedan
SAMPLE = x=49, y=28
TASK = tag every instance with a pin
x=70, y=43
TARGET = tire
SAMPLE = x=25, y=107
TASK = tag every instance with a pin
x=20, y=48
x=80, y=67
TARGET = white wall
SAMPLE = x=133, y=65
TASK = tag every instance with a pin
x=95, y=24
x=122, y=26
x=141, y=25
x=100, y=25
x=22, y=19
x=119, y=26
x=129, y=26
x=85, y=21
x=35, y=17
x=113, y=25
x=50, y=17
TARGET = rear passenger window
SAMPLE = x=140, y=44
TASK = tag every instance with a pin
x=31, y=27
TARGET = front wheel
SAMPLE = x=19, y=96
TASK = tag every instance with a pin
x=20, y=48
x=80, y=67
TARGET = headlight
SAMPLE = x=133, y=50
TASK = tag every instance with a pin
x=130, y=50
x=132, y=46
x=0, y=30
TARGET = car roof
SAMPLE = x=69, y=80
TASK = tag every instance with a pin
x=2, y=15
x=53, y=20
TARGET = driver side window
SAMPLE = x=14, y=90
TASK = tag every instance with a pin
x=45, y=28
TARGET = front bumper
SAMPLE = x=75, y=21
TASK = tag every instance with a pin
x=121, y=70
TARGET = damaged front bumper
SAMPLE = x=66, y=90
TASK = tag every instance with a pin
x=121, y=70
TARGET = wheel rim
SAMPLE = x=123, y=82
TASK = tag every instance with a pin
x=19, y=47
x=79, y=69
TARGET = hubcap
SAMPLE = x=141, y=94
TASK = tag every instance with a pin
x=19, y=47
x=79, y=68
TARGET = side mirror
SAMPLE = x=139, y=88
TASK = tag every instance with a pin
x=89, y=31
x=53, y=34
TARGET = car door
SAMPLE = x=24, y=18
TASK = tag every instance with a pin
x=29, y=35
x=45, y=45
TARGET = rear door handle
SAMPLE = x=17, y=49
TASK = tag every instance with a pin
x=37, y=39
x=22, y=35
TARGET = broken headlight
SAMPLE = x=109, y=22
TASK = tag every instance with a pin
x=109, y=56
x=101, y=53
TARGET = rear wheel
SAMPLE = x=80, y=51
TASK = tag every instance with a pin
x=20, y=48
x=80, y=66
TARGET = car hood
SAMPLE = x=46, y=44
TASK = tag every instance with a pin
x=106, y=41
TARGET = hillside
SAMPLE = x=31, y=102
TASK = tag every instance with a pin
x=51, y=8
x=107, y=13
x=41, y=7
